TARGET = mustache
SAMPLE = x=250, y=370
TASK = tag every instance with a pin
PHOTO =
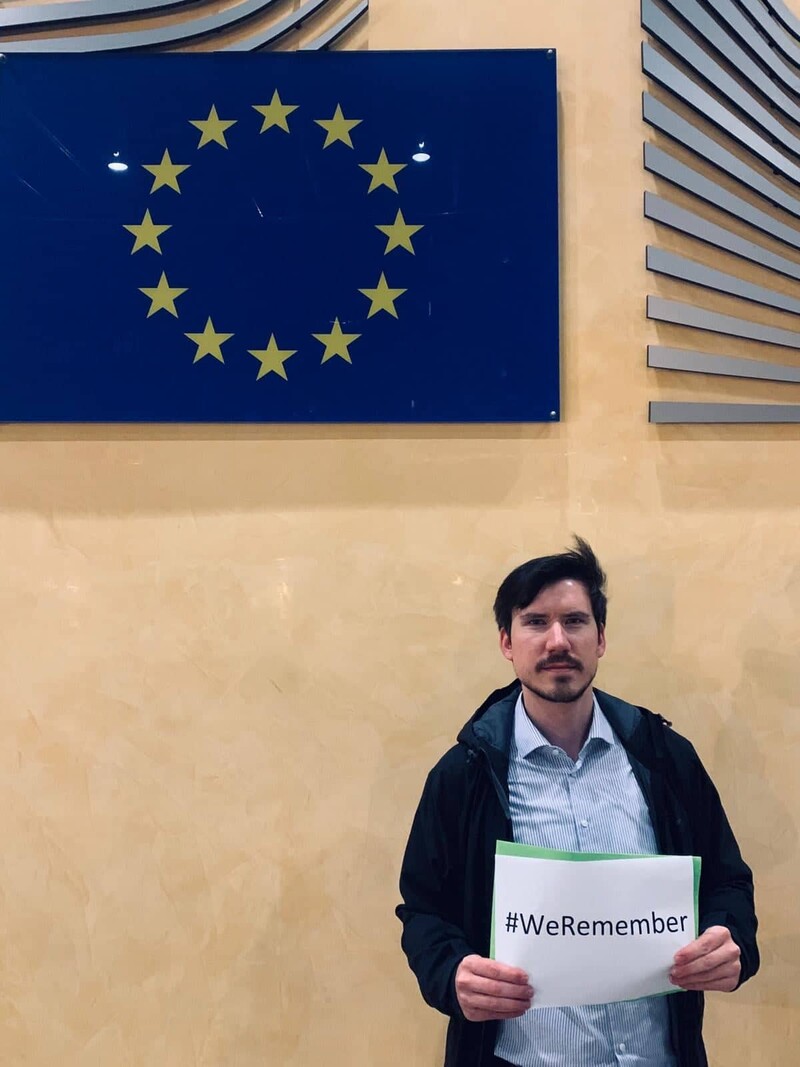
x=558, y=661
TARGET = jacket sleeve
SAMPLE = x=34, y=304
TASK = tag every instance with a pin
x=726, y=882
x=432, y=888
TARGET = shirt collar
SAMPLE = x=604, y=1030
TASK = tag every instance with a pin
x=528, y=737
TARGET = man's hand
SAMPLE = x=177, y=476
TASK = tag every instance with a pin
x=488, y=990
x=710, y=962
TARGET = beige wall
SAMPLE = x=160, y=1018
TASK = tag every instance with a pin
x=229, y=656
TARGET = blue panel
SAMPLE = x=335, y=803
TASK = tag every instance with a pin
x=275, y=236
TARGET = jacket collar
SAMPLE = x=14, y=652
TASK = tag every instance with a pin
x=487, y=735
x=490, y=728
x=492, y=725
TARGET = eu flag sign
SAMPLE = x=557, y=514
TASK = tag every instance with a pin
x=293, y=237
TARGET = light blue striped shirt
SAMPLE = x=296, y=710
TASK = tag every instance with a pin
x=592, y=805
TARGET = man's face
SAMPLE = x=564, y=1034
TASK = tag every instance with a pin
x=555, y=643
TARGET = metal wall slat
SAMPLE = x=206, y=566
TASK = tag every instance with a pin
x=38, y=16
x=666, y=120
x=661, y=357
x=722, y=42
x=681, y=314
x=262, y=38
x=665, y=73
x=325, y=40
x=744, y=29
x=672, y=170
x=729, y=69
x=781, y=17
x=687, y=270
x=665, y=412
x=178, y=33
x=678, y=218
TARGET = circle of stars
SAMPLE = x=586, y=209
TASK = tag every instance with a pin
x=275, y=115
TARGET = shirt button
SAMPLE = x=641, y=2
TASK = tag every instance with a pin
x=622, y=1046
x=578, y=762
x=584, y=824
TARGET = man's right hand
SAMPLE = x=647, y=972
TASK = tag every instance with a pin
x=489, y=990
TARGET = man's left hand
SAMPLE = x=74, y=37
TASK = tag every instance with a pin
x=709, y=963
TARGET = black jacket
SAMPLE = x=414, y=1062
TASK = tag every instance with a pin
x=448, y=869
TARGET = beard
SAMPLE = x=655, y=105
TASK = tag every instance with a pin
x=565, y=690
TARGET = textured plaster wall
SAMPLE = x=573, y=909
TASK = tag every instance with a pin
x=229, y=656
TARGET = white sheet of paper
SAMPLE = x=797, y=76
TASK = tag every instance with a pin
x=592, y=931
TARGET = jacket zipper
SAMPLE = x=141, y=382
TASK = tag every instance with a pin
x=498, y=788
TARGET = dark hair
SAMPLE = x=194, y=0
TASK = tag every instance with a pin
x=528, y=580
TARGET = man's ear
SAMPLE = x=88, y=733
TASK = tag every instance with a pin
x=601, y=641
x=505, y=645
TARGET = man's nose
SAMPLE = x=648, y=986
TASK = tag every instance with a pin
x=556, y=637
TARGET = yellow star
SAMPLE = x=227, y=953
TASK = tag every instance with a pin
x=146, y=234
x=336, y=343
x=275, y=113
x=272, y=358
x=338, y=128
x=382, y=172
x=209, y=342
x=166, y=172
x=382, y=297
x=399, y=234
x=213, y=128
x=163, y=297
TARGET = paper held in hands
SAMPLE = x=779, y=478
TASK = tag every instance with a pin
x=591, y=928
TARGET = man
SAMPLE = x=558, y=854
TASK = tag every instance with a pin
x=550, y=761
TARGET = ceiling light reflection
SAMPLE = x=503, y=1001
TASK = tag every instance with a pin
x=421, y=156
